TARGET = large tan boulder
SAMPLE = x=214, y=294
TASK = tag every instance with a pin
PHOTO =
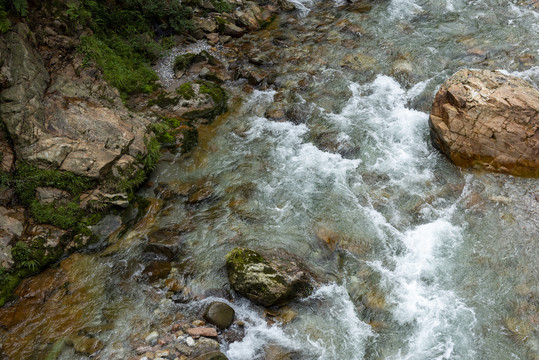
x=489, y=120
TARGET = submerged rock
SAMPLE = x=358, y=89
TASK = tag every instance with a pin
x=486, y=119
x=272, y=280
x=214, y=355
x=219, y=314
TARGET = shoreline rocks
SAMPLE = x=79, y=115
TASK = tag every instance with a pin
x=488, y=120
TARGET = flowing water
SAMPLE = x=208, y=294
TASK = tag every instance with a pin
x=433, y=262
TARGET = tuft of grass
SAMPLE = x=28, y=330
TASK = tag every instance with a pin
x=222, y=6
x=28, y=178
x=186, y=91
x=121, y=66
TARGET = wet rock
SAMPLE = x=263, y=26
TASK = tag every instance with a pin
x=402, y=70
x=297, y=114
x=207, y=25
x=271, y=280
x=286, y=5
x=359, y=62
x=219, y=314
x=276, y=111
x=335, y=142
x=86, y=345
x=107, y=226
x=199, y=100
x=329, y=237
x=276, y=352
x=214, y=355
x=283, y=315
x=200, y=194
x=190, y=341
x=6, y=196
x=486, y=119
x=98, y=196
x=232, y=30
x=247, y=20
x=359, y=7
x=213, y=38
x=152, y=337
x=157, y=270
x=202, y=331
x=256, y=77
x=12, y=224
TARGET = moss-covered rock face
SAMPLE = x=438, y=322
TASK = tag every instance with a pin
x=272, y=280
x=199, y=101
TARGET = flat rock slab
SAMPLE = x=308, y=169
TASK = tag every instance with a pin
x=486, y=119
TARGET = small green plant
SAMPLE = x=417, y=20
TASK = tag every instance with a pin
x=121, y=67
x=5, y=24
x=186, y=91
x=222, y=6
x=167, y=42
x=16, y=7
x=79, y=14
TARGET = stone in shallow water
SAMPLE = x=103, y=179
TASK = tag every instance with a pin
x=272, y=280
x=202, y=331
x=219, y=314
x=214, y=355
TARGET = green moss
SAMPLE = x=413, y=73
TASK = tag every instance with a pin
x=121, y=65
x=8, y=284
x=163, y=101
x=29, y=177
x=186, y=91
x=182, y=62
x=190, y=140
x=218, y=96
x=222, y=6
x=239, y=258
x=65, y=216
x=28, y=259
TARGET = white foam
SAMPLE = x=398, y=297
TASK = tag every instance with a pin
x=441, y=321
x=331, y=330
x=303, y=6
x=397, y=145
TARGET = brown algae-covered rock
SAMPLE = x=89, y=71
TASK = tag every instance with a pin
x=489, y=120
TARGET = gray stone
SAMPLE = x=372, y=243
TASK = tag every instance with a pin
x=207, y=25
x=219, y=314
x=49, y=195
x=233, y=30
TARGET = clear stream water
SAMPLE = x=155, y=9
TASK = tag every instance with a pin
x=434, y=262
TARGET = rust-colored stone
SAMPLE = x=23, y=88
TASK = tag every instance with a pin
x=202, y=331
x=489, y=120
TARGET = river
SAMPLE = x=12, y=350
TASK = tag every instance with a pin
x=433, y=261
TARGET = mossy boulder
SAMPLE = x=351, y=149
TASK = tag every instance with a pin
x=197, y=100
x=273, y=279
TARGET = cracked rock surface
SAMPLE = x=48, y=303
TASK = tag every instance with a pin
x=489, y=120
